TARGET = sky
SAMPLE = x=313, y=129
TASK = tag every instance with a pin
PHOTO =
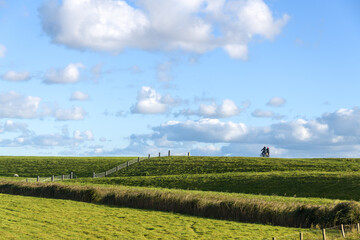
x=209, y=77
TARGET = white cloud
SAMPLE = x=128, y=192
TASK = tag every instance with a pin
x=195, y=26
x=69, y=74
x=14, y=105
x=204, y=130
x=151, y=102
x=14, y=76
x=276, y=102
x=226, y=109
x=75, y=113
x=266, y=114
x=79, y=96
x=2, y=51
x=85, y=135
x=11, y=126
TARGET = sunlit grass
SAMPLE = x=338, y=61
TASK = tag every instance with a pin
x=39, y=218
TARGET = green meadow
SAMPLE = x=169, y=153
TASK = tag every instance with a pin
x=40, y=218
x=257, y=193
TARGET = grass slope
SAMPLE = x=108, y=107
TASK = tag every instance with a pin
x=47, y=166
x=38, y=218
x=334, y=185
x=205, y=165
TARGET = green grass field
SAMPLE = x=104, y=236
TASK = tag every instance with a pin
x=48, y=166
x=264, y=186
x=39, y=218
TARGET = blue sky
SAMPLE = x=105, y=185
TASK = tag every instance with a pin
x=213, y=77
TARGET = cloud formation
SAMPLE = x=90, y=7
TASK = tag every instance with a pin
x=79, y=96
x=151, y=102
x=276, y=102
x=75, y=113
x=69, y=74
x=15, y=105
x=194, y=26
x=224, y=110
x=14, y=76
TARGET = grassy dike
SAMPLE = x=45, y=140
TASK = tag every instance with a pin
x=48, y=166
x=225, y=207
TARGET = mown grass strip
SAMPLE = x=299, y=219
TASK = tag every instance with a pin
x=236, y=209
x=177, y=165
x=39, y=218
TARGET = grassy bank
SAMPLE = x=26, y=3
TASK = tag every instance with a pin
x=289, y=214
x=48, y=166
x=206, y=165
x=334, y=185
x=39, y=218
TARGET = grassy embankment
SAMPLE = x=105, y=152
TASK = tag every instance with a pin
x=300, y=177
x=48, y=166
x=30, y=218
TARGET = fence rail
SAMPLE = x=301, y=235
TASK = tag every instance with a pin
x=94, y=175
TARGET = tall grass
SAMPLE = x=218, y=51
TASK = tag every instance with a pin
x=334, y=185
x=232, y=208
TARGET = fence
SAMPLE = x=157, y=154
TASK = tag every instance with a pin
x=94, y=175
x=349, y=231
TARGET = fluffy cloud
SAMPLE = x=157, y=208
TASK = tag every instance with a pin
x=75, y=113
x=11, y=126
x=2, y=51
x=15, y=105
x=151, y=102
x=333, y=134
x=276, y=102
x=69, y=74
x=266, y=114
x=85, y=135
x=14, y=76
x=226, y=109
x=204, y=130
x=79, y=96
x=194, y=26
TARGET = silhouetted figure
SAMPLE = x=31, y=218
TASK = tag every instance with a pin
x=268, y=152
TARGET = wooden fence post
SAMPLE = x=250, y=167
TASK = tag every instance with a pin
x=71, y=175
x=62, y=177
x=159, y=154
x=188, y=154
x=138, y=159
x=342, y=231
x=27, y=180
x=127, y=163
x=52, y=178
x=94, y=175
x=149, y=155
x=274, y=238
x=324, y=234
x=117, y=168
x=105, y=173
x=169, y=153
x=301, y=236
x=357, y=227
x=38, y=179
